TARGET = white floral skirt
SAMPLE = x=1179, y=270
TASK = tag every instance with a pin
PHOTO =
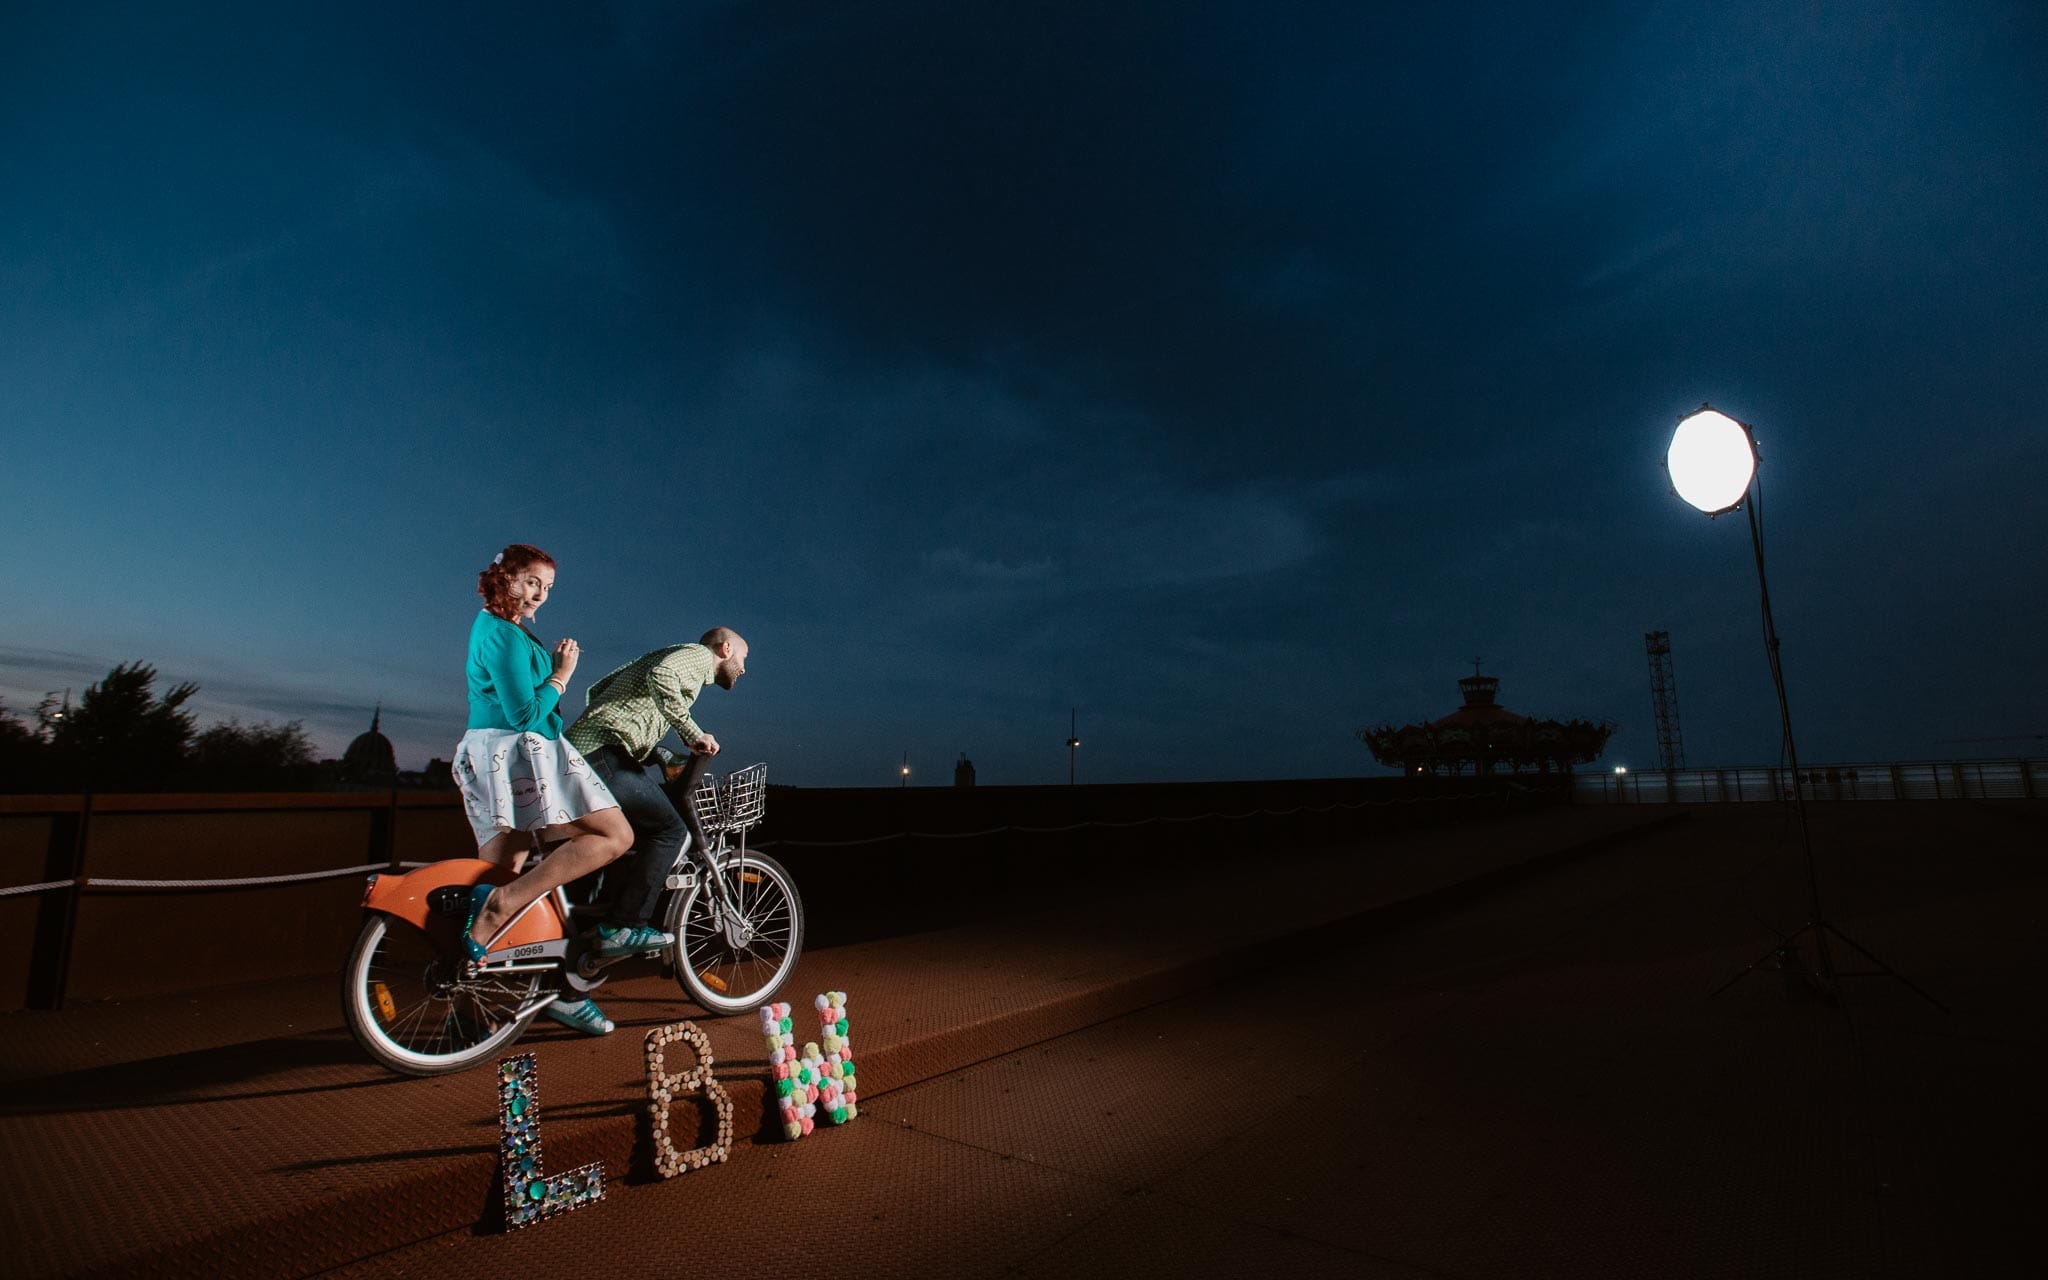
x=519, y=781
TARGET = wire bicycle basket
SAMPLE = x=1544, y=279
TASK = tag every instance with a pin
x=732, y=803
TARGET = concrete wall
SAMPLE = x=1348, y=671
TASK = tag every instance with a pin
x=111, y=943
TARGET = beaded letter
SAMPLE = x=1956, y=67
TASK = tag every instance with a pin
x=530, y=1194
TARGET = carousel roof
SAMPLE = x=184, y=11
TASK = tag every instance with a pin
x=1486, y=736
x=1480, y=709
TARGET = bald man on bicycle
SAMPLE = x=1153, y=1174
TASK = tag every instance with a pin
x=624, y=718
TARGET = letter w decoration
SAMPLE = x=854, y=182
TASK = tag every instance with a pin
x=816, y=1083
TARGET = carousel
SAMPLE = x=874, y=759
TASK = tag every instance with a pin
x=1483, y=737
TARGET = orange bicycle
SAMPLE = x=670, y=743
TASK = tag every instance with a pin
x=419, y=1006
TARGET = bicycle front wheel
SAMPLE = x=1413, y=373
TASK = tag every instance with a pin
x=734, y=951
x=407, y=1004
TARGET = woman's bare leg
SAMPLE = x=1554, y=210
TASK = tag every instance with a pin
x=507, y=848
x=601, y=837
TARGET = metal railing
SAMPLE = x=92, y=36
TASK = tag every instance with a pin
x=1912, y=780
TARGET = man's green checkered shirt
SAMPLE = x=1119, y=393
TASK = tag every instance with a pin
x=635, y=705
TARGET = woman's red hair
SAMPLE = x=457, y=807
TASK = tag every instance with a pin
x=494, y=584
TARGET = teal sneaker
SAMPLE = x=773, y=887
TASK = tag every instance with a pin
x=584, y=1015
x=638, y=940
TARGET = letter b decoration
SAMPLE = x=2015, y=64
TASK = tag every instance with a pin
x=664, y=1087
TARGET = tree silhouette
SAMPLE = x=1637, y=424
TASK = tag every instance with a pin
x=259, y=757
x=120, y=736
x=24, y=754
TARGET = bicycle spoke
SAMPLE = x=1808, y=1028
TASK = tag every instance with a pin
x=451, y=1027
x=765, y=909
x=418, y=1014
x=428, y=1017
x=485, y=1013
x=473, y=1016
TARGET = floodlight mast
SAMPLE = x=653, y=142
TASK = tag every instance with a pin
x=1828, y=981
x=1722, y=469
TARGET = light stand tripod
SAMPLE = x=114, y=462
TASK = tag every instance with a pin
x=1721, y=475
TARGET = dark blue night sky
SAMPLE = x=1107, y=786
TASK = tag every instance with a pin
x=1235, y=373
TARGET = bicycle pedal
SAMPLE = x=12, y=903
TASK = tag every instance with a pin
x=683, y=880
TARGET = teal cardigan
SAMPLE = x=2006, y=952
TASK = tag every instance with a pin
x=508, y=672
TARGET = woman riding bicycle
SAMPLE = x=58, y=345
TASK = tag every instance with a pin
x=519, y=779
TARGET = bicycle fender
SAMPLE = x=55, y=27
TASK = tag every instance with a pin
x=405, y=895
x=409, y=897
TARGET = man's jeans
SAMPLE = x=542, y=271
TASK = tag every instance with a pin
x=658, y=833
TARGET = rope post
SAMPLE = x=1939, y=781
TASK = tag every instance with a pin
x=384, y=833
x=57, y=914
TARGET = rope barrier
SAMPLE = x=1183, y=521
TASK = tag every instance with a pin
x=240, y=882
x=44, y=887
x=236, y=882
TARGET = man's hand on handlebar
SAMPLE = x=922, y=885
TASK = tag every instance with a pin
x=690, y=767
x=705, y=746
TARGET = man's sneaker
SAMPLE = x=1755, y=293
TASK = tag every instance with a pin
x=584, y=1015
x=638, y=940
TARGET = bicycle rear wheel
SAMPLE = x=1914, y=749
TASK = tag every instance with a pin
x=409, y=1007
x=732, y=966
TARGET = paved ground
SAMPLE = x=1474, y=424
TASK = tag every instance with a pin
x=1531, y=1084
x=1526, y=1082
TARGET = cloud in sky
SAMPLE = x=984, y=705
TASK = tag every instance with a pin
x=960, y=562
x=1024, y=359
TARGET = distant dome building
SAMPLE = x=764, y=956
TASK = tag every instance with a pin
x=1484, y=737
x=370, y=761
